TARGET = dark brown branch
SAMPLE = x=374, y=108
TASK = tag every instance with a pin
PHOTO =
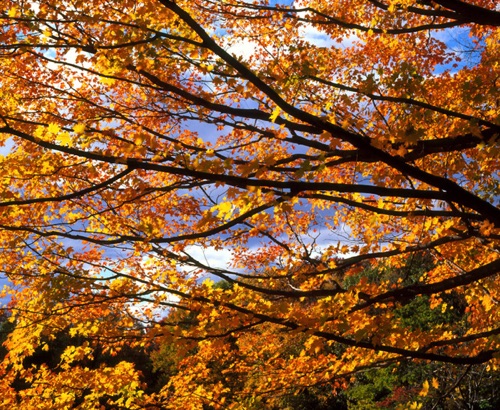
x=73, y=195
x=410, y=292
x=495, y=128
x=469, y=12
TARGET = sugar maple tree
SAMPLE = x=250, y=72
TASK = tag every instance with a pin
x=139, y=135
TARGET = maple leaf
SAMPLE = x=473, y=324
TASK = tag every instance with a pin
x=53, y=128
x=425, y=389
x=64, y=138
x=79, y=128
x=12, y=12
x=435, y=383
x=275, y=114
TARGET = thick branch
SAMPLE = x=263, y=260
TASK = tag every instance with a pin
x=485, y=271
x=470, y=12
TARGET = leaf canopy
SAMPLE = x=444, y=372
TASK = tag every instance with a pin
x=309, y=154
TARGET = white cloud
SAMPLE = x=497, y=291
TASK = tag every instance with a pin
x=243, y=49
x=211, y=257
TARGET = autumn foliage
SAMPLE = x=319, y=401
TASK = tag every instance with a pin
x=265, y=189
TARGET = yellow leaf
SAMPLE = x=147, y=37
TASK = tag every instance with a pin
x=425, y=389
x=107, y=80
x=139, y=139
x=79, y=129
x=224, y=210
x=39, y=131
x=435, y=383
x=53, y=128
x=275, y=114
x=487, y=302
x=64, y=138
x=157, y=158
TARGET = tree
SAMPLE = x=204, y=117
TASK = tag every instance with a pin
x=141, y=138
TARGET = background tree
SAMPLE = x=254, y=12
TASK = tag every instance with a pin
x=140, y=135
